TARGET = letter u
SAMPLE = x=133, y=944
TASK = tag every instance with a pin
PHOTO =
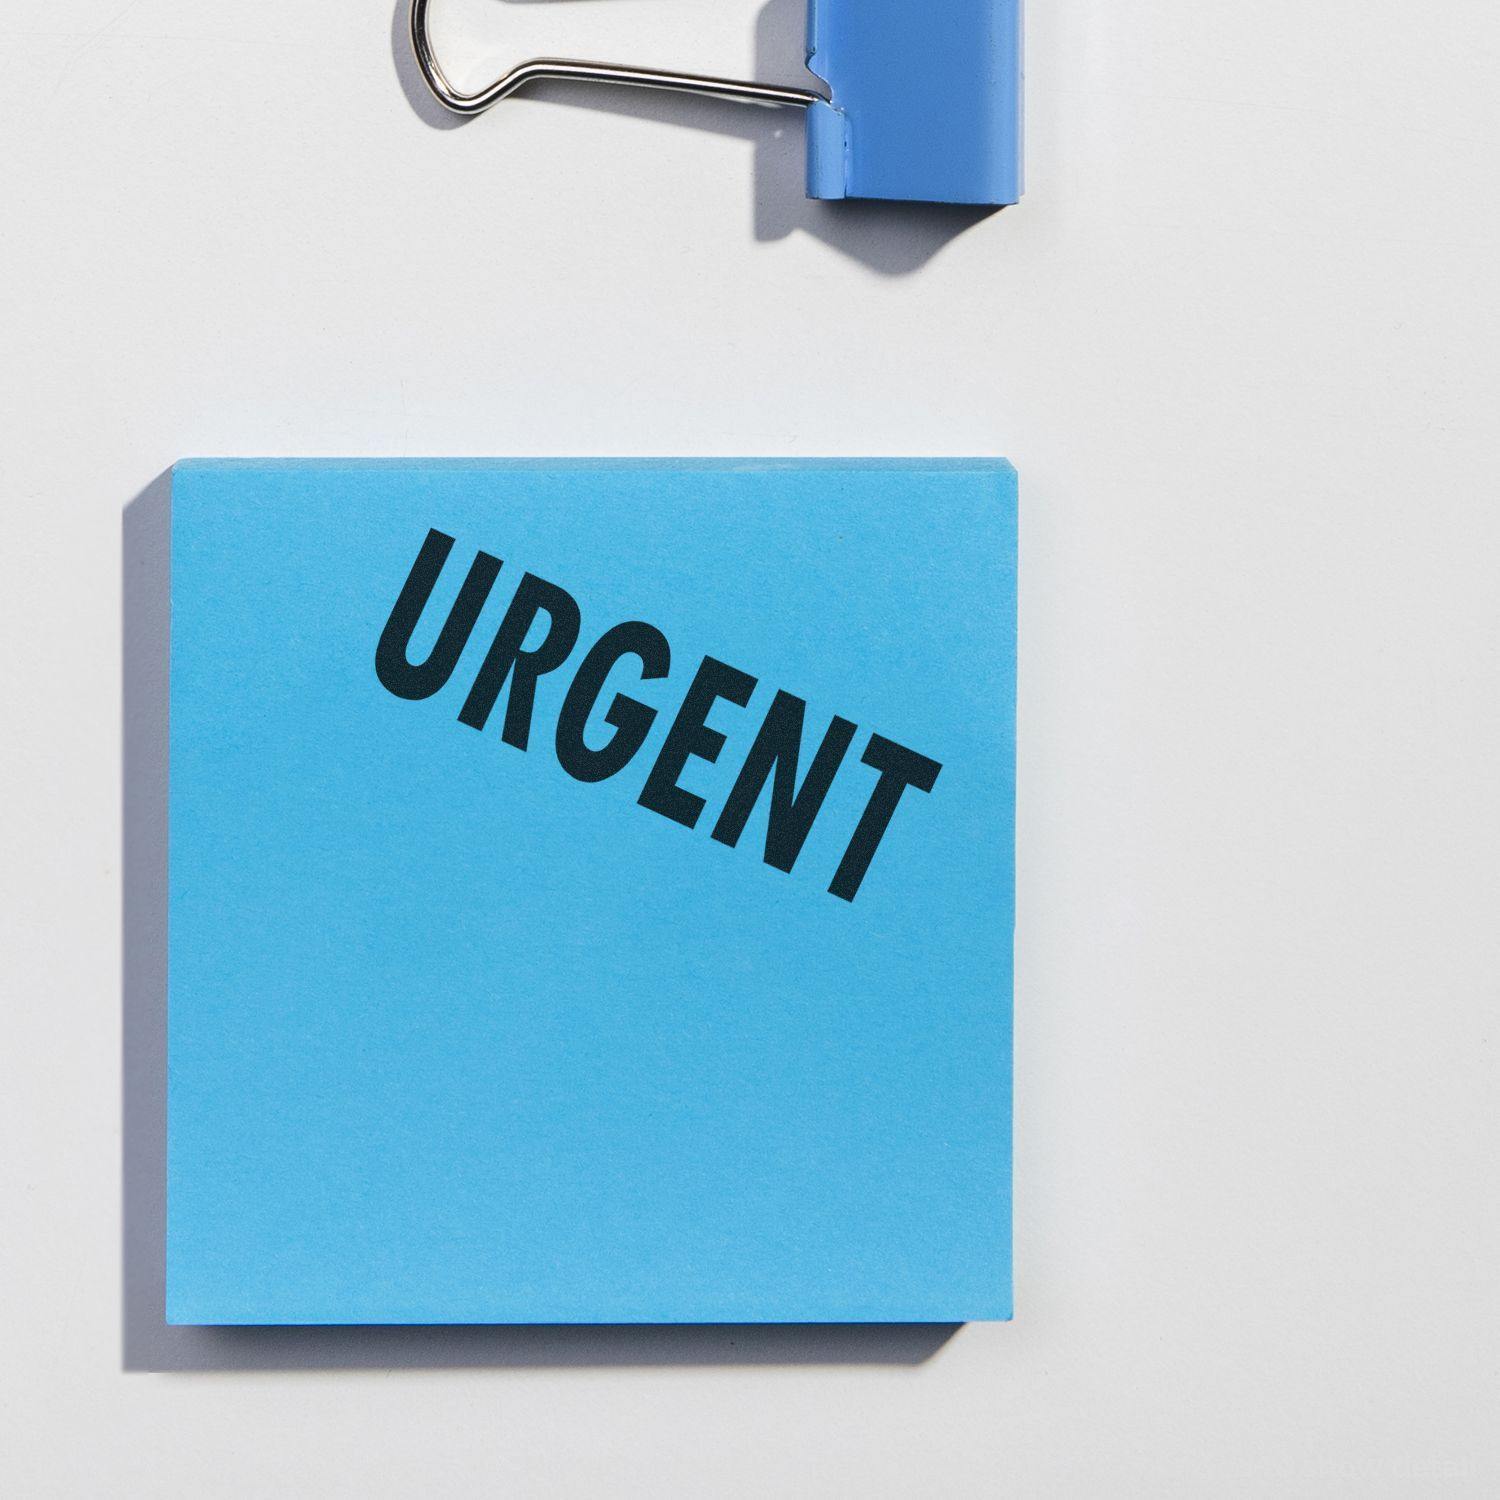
x=393, y=669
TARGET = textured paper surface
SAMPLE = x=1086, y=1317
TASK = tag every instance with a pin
x=456, y=1037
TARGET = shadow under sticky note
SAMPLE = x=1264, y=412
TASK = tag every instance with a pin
x=591, y=892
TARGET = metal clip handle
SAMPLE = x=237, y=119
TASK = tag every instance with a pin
x=573, y=70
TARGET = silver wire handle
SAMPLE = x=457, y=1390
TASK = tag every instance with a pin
x=573, y=70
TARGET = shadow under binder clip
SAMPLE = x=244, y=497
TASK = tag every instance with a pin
x=924, y=101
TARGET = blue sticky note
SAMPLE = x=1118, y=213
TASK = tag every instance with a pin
x=591, y=893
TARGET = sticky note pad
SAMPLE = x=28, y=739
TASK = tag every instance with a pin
x=591, y=891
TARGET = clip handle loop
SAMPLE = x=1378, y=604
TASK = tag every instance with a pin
x=574, y=70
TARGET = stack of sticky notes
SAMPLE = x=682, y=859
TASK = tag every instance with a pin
x=591, y=892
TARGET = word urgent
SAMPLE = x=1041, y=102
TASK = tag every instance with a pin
x=772, y=757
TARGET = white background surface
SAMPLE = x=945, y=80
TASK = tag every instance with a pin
x=1240, y=340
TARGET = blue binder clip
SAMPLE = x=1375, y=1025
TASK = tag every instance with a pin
x=923, y=102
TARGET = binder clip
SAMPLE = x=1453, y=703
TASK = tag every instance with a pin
x=923, y=102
